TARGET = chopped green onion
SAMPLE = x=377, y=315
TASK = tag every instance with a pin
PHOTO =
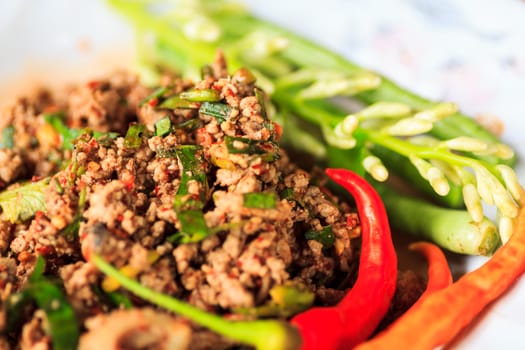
x=260, y=200
x=204, y=95
x=163, y=126
x=8, y=137
x=175, y=102
x=134, y=134
x=154, y=95
x=192, y=161
x=242, y=145
x=105, y=138
x=190, y=124
x=166, y=152
x=260, y=99
x=220, y=111
x=287, y=193
x=193, y=227
x=325, y=236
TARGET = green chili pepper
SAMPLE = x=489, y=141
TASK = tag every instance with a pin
x=134, y=134
x=260, y=200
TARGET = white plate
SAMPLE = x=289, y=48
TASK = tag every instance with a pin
x=462, y=51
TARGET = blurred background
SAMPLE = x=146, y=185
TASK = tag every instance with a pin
x=467, y=51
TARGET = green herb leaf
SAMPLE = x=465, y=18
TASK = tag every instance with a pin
x=21, y=203
x=220, y=111
x=260, y=200
x=56, y=120
x=8, y=137
x=325, y=236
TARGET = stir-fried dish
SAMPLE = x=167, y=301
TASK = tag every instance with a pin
x=183, y=188
x=245, y=208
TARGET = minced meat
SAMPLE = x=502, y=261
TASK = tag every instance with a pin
x=125, y=192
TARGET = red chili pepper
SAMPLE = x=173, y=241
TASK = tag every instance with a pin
x=442, y=315
x=358, y=314
x=439, y=275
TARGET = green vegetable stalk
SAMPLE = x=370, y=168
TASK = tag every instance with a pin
x=452, y=229
x=261, y=334
x=449, y=154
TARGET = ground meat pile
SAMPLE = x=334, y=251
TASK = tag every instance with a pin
x=183, y=188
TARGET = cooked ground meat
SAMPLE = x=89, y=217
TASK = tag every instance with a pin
x=193, y=199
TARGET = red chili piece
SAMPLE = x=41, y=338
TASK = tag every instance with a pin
x=439, y=274
x=358, y=314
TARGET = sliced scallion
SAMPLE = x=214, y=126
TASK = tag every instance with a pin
x=260, y=200
x=134, y=134
x=176, y=102
x=163, y=126
x=220, y=111
x=188, y=206
x=154, y=95
x=325, y=236
x=203, y=95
